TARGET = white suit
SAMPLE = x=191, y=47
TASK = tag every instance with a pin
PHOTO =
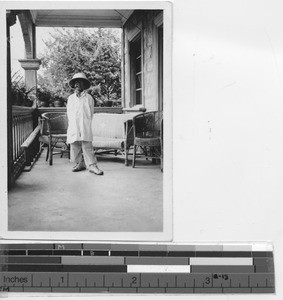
x=80, y=113
x=79, y=134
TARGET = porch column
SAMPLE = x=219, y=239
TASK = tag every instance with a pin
x=10, y=21
x=30, y=63
x=31, y=66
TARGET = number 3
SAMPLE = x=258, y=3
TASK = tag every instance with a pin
x=207, y=280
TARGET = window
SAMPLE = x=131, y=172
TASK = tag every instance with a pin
x=136, y=70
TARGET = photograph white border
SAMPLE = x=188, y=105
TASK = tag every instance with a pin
x=166, y=235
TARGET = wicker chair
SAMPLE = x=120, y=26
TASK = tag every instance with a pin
x=147, y=136
x=54, y=134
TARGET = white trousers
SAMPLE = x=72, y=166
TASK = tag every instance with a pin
x=81, y=150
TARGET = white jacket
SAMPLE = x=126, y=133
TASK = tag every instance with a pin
x=80, y=114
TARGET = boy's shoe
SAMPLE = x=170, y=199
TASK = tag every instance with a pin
x=94, y=169
x=79, y=167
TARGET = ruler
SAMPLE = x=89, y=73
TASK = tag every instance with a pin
x=136, y=268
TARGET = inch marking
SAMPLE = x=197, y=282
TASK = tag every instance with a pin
x=18, y=275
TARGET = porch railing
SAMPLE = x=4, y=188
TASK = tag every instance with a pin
x=25, y=146
x=22, y=126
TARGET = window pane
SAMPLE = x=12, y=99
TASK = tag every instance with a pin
x=136, y=70
x=138, y=64
x=138, y=81
x=138, y=97
x=138, y=47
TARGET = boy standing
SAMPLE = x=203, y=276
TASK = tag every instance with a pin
x=80, y=109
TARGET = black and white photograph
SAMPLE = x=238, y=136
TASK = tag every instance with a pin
x=89, y=121
x=141, y=149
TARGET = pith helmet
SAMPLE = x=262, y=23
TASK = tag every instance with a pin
x=79, y=76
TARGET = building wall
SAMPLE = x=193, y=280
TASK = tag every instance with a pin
x=142, y=21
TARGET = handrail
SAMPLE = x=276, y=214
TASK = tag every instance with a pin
x=31, y=137
x=113, y=110
x=22, y=110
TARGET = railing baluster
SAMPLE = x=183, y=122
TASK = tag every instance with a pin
x=13, y=134
x=17, y=137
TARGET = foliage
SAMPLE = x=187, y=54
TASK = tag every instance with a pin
x=45, y=94
x=20, y=95
x=96, y=52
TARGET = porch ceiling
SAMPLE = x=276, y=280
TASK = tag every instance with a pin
x=80, y=18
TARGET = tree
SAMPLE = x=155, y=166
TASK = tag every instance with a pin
x=96, y=52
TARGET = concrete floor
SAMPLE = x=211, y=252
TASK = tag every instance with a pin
x=52, y=198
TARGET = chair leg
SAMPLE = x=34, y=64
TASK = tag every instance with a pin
x=134, y=156
x=47, y=154
x=50, y=154
x=126, y=155
x=63, y=150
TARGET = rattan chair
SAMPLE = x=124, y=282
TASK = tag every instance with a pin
x=147, y=136
x=54, y=134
